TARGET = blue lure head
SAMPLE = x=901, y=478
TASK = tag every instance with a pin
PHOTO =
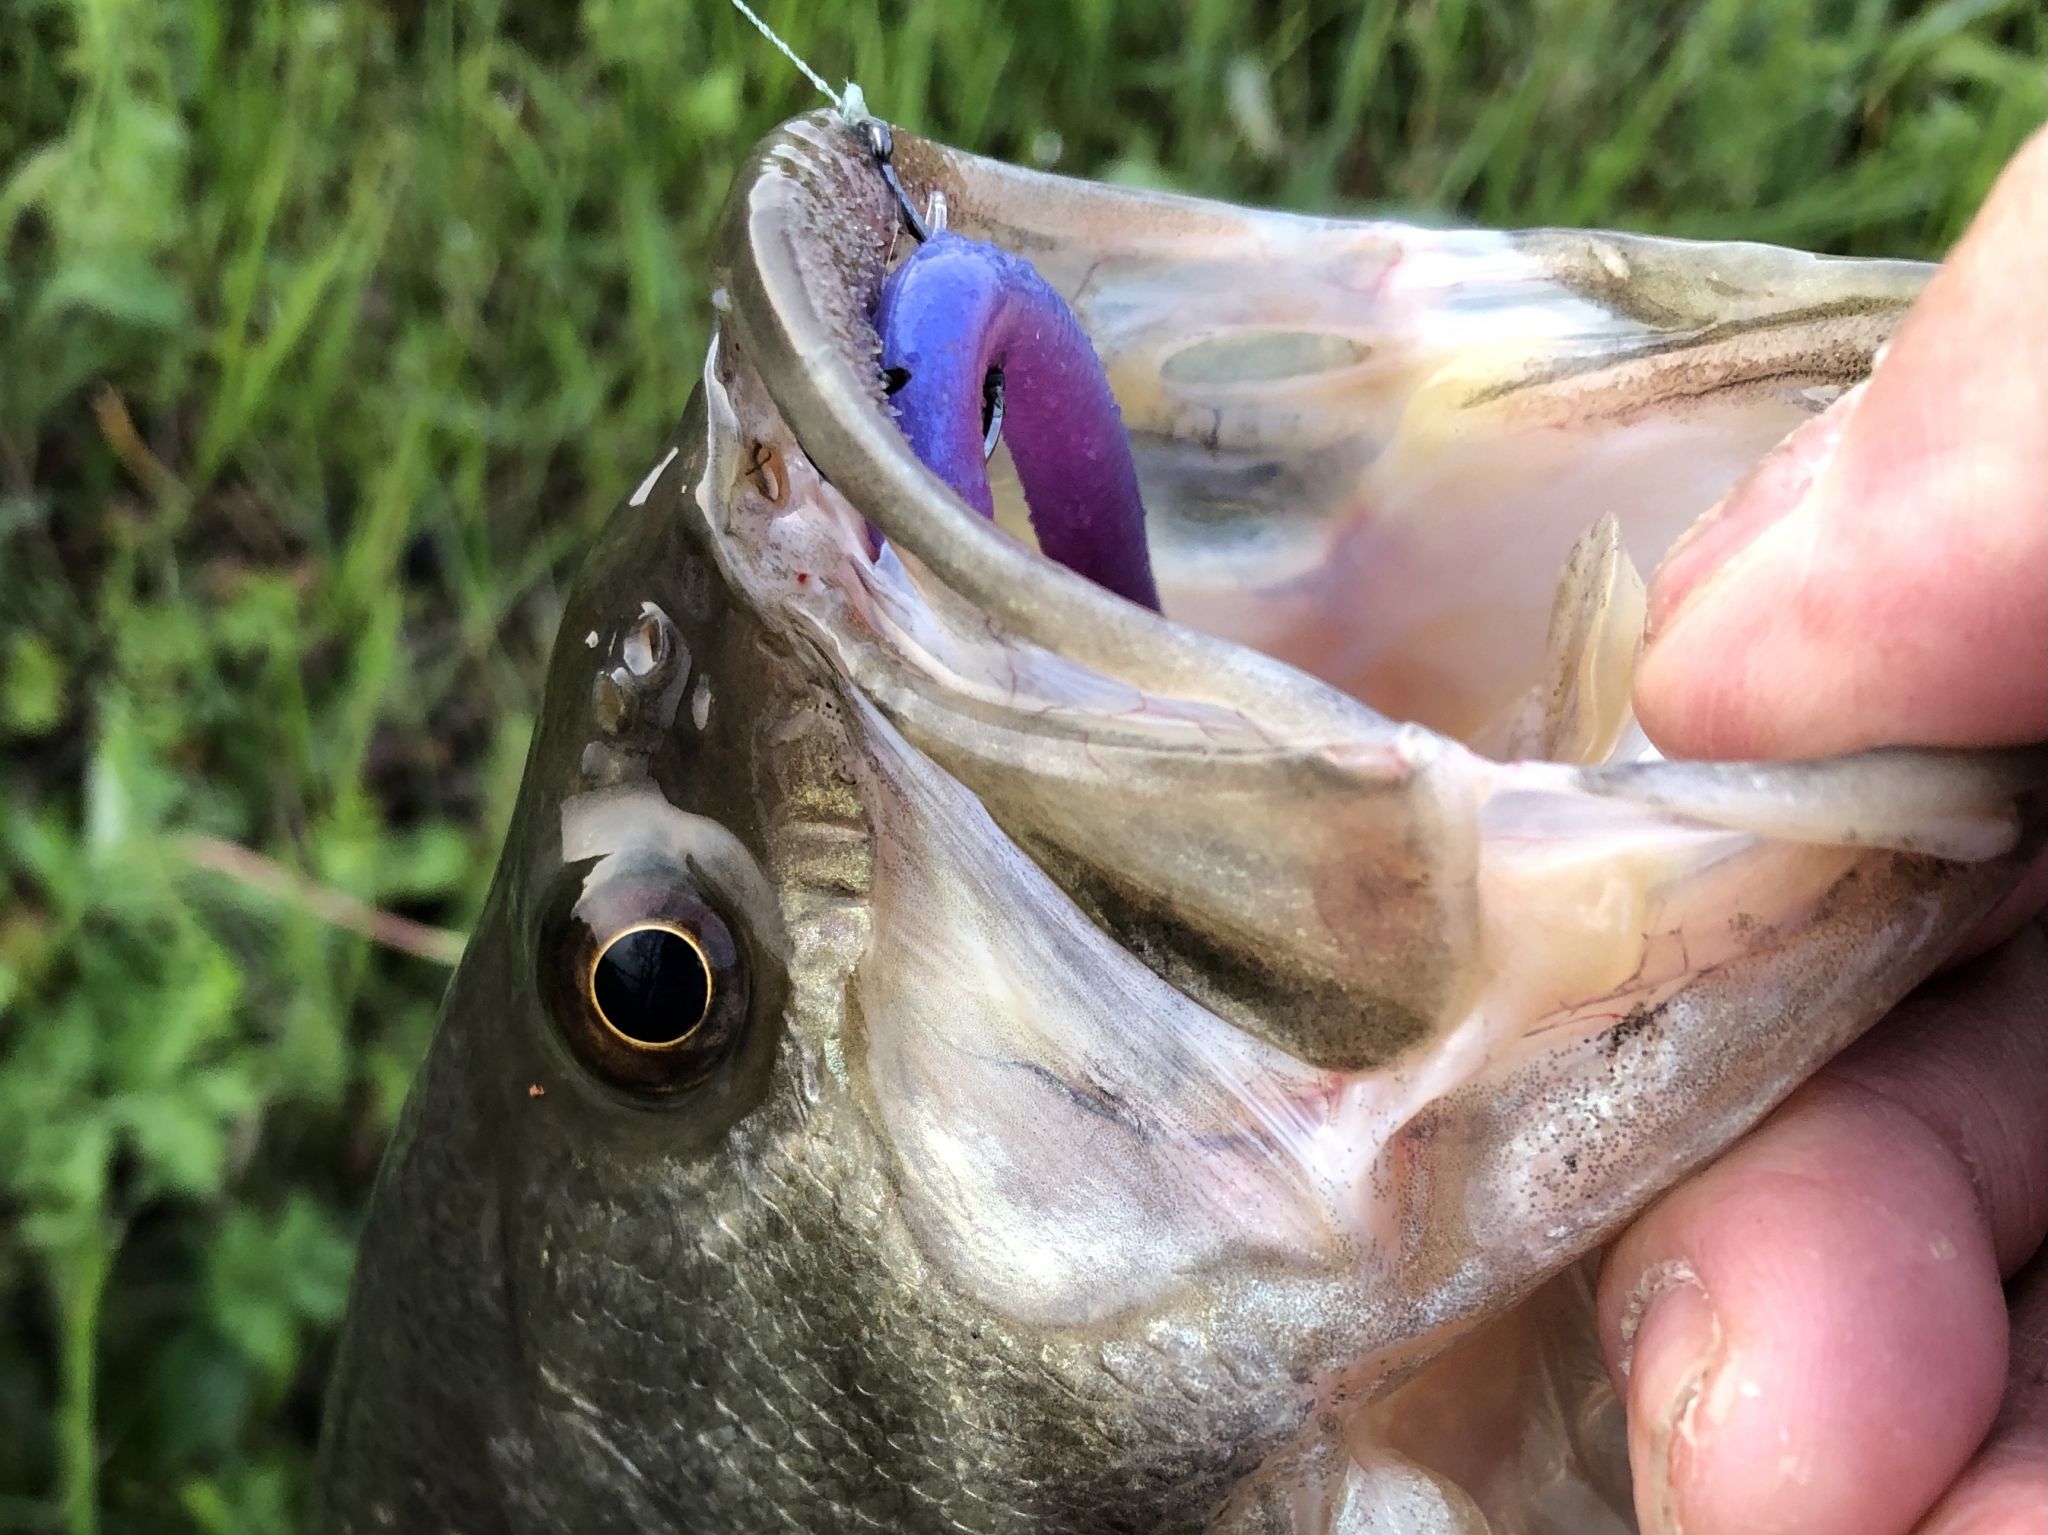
x=970, y=331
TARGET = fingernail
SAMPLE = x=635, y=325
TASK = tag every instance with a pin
x=1763, y=497
x=1676, y=1349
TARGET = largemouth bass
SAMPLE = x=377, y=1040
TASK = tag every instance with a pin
x=949, y=1048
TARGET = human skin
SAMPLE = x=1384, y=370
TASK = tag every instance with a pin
x=1842, y=1326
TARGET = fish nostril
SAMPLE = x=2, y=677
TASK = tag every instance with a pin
x=652, y=985
x=893, y=379
x=650, y=644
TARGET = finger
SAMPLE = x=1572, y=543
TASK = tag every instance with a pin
x=1810, y=1335
x=2025, y=901
x=2005, y=1489
x=1883, y=576
x=1967, y=1060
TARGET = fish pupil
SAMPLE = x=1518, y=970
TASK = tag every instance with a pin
x=652, y=985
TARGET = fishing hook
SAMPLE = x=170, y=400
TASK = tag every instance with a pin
x=881, y=144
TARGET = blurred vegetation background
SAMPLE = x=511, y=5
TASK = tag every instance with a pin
x=328, y=331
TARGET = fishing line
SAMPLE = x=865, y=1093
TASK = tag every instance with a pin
x=852, y=104
x=1078, y=478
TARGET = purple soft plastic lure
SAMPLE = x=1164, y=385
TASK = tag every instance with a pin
x=959, y=318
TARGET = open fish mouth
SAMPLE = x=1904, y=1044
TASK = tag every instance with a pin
x=1399, y=486
x=950, y=1047
x=1339, y=914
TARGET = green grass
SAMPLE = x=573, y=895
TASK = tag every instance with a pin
x=327, y=334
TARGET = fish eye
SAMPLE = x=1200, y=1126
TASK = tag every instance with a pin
x=645, y=982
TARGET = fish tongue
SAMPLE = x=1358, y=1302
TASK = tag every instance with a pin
x=1579, y=711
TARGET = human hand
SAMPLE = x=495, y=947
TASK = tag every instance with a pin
x=1842, y=1326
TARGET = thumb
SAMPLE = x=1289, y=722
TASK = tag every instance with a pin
x=1882, y=576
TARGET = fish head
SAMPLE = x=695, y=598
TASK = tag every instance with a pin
x=948, y=1048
